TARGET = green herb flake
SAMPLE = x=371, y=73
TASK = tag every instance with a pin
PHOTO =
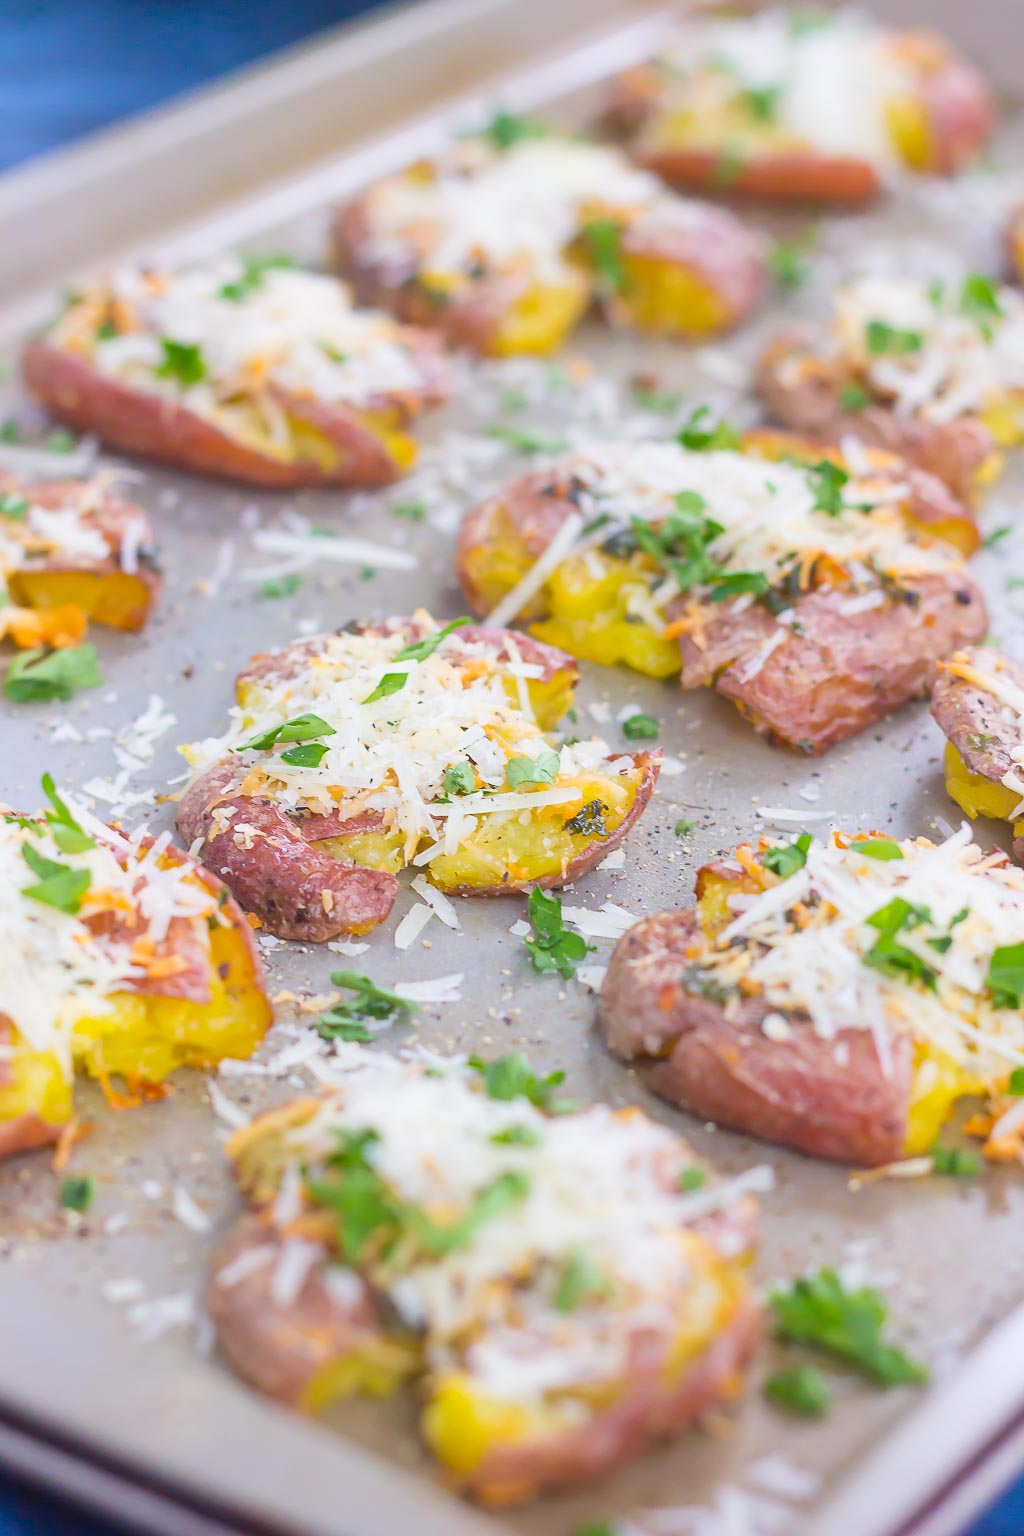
x=881, y=848
x=581, y=1280
x=956, y=1162
x=280, y=586
x=684, y=826
x=979, y=301
x=992, y=539
x=511, y=1077
x=459, y=779
x=785, y=862
x=802, y=1391
x=1005, y=975
x=882, y=339
x=254, y=270
x=700, y=433
x=516, y=1136
x=310, y=755
x=13, y=507
x=58, y=885
x=640, y=728
x=301, y=728
x=691, y=1179
x=1016, y=1082
x=589, y=821
x=789, y=260
x=525, y=439
x=41, y=675
x=887, y=954
x=76, y=1193
x=420, y=650
x=602, y=239
x=827, y=481
x=762, y=101
x=11, y=432
x=529, y=770
x=66, y=833
x=553, y=947
x=347, y=1020
x=182, y=361
x=658, y=401
x=820, y=1311
x=508, y=128
x=854, y=397
x=411, y=511
x=60, y=441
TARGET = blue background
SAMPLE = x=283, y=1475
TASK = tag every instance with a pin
x=66, y=69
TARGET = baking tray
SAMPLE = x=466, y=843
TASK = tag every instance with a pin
x=108, y=1389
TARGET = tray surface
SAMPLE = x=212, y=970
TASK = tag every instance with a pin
x=117, y=1292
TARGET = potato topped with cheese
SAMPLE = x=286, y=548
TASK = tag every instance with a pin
x=353, y=755
x=795, y=104
x=748, y=565
x=565, y=1283
x=839, y=996
x=246, y=367
x=118, y=956
x=71, y=551
x=934, y=371
x=505, y=240
x=978, y=701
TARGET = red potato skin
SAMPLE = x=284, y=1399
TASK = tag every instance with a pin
x=715, y=1061
x=27, y=1132
x=953, y=451
x=727, y=256
x=296, y=891
x=843, y=671
x=645, y=1413
x=965, y=713
x=154, y=428
x=961, y=115
x=279, y=1349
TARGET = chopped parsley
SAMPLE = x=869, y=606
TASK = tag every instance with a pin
x=956, y=1162
x=553, y=947
x=701, y=434
x=41, y=675
x=347, y=1019
x=581, y=1279
x=182, y=361
x=762, y=101
x=854, y=397
x=728, y=166
x=254, y=270
x=640, y=728
x=658, y=400
x=1016, y=1082
x=60, y=441
x=887, y=954
x=11, y=432
x=789, y=262
x=511, y=1077
x=13, y=507
x=1005, y=976
x=58, y=884
x=64, y=829
x=602, y=239
x=412, y=511
x=416, y=650
x=992, y=539
x=310, y=755
x=820, y=1311
x=530, y=770
x=526, y=440
x=460, y=778
x=589, y=821
x=882, y=339
x=881, y=848
x=827, y=481
x=681, y=543
x=301, y=728
x=516, y=1136
x=508, y=128
x=786, y=861
x=802, y=1391
x=979, y=301
x=76, y=1193
x=691, y=1179
x=280, y=586
x=684, y=826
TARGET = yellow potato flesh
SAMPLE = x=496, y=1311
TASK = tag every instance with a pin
x=115, y=598
x=462, y=1425
x=377, y=1368
x=906, y=118
x=1005, y=420
x=38, y=1087
x=937, y=1082
x=670, y=298
x=147, y=1038
x=540, y=320
x=974, y=793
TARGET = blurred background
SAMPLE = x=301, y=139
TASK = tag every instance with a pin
x=69, y=68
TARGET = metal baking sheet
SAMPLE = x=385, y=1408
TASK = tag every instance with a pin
x=107, y=1384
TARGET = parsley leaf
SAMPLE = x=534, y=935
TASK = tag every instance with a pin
x=992, y=539
x=581, y=1280
x=38, y=675
x=182, y=361
x=254, y=269
x=1016, y=1082
x=956, y=1162
x=788, y=260
x=762, y=101
x=391, y=682
x=786, y=861
x=979, y=300
x=881, y=848
x=516, y=1136
x=459, y=779
x=301, y=728
x=283, y=586
x=412, y=511
x=310, y=755
x=347, y=1019
x=525, y=439
x=827, y=481
x=691, y=1179
x=854, y=397
x=640, y=728
x=66, y=832
x=511, y=1077
x=59, y=885
x=420, y=650
x=701, y=435
x=60, y=441
x=508, y=128
x=881, y=338
x=529, y=770
x=589, y=821
x=819, y=1310
x=684, y=826
x=889, y=956
x=13, y=507
x=803, y=1391
x=553, y=946
x=603, y=241
x=1005, y=976
x=76, y=1193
